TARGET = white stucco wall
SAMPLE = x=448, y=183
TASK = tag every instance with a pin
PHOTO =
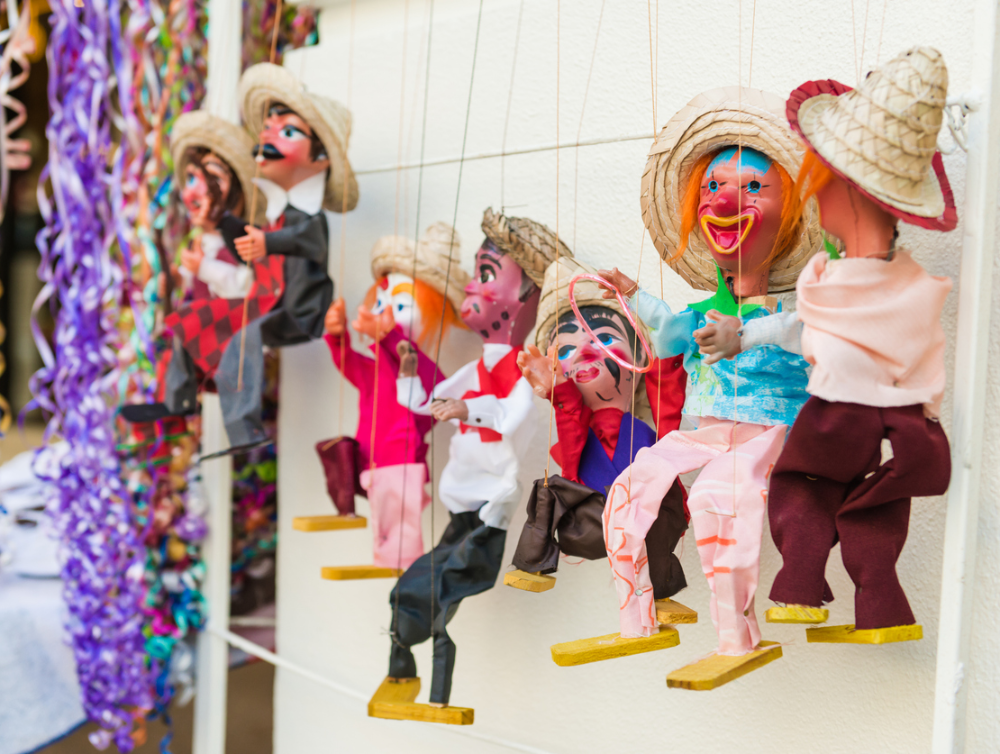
x=827, y=698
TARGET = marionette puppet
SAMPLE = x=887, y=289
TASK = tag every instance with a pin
x=870, y=326
x=301, y=154
x=213, y=171
x=718, y=202
x=493, y=406
x=600, y=357
x=386, y=460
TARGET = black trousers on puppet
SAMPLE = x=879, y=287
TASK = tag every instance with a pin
x=242, y=410
x=466, y=562
x=566, y=518
x=828, y=486
x=180, y=384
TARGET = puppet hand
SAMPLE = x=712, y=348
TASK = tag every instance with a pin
x=719, y=338
x=619, y=281
x=375, y=326
x=335, y=321
x=191, y=257
x=407, y=359
x=252, y=246
x=537, y=370
x=450, y=408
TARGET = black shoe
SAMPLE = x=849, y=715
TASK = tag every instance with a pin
x=143, y=413
x=237, y=449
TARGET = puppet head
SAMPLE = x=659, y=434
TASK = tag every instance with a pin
x=717, y=193
x=502, y=300
x=300, y=134
x=419, y=304
x=213, y=168
x=873, y=154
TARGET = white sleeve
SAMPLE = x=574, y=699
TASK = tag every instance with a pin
x=225, y=280
x=503, y=415
x=410, y=394
x=455, y=386
x=783, y=330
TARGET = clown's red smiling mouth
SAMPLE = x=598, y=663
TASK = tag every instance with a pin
x=725, y=234
x=587, y=375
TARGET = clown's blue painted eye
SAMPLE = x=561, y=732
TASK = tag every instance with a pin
x=753, y=187
x=713, y=186
x=606, y=338
x=191, y=179
x=565, y=352
x=293, y=133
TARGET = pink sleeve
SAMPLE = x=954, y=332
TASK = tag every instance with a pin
x=356, y=368
x=425, y=366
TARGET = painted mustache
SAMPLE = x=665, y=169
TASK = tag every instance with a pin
x=267, y=152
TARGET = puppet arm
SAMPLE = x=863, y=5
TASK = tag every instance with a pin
x=503, y=415
x=225, y=280
x=427, y=371
x=411, y=394
x=572, y=426
x=670, y=334
x=308, y=239
x=666, y=386
x=783, y=330
x=359, y=370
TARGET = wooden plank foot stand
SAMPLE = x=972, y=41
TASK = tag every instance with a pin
x=350, y=573
x=796, y=614
x=849, y=635
x=609, y=647
x=674, y=613
x=529, y=582
x=328, y=523
x=717, y=670
x=394, y=701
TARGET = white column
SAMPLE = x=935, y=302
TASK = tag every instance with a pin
x=975, y=290
x=225, y=58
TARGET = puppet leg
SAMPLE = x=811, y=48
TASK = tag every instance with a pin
x=727, y=512
x=241, y=409
x=830, y=448
x=633, y=505
x=874, y=521
x=180, y=384
x=665, y=569
x=396, y=495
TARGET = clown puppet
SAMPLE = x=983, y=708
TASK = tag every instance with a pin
x=493, y=406
x=407, y=306
x=869, y=323
x=598, y=435
x=718, y=202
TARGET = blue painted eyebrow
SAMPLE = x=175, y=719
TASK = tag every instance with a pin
x=751, y=158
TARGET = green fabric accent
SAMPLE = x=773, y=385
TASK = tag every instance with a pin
x=830, y=247
x=723, y=301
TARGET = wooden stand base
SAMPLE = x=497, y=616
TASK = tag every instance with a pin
x=674, y=613
x=850, y=635
x=394, y=701
x=796, y=614
x=349, y=573
x=609, y=647
x=529, y=582
x=328, y=523
x=717, y=670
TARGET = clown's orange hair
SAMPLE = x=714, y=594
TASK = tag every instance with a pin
x=434, y=309
x=813, y=176
x=788, y=230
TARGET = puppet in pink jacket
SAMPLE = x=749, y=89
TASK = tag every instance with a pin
x=868, y=439
x=406, y=305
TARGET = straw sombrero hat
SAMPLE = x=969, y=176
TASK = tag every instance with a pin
x=882, y=136
x=427, y=260
x=265, y=84
x=530, y=244
x=714, y=120
x=554, y=301
x=227, y=140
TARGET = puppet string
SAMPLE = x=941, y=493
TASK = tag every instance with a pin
x=343, y=220
x=864, y=37
x=510, y=99
x=579, y=128
x=253, y=197
x=555, y=361
x=878, y=50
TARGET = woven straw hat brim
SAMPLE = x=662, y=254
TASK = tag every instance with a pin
x=710, y=122
x=426, y=261
x=530, y=244
x=227, y=140
x=554, y=301
x=265, y=84
x=805, y=108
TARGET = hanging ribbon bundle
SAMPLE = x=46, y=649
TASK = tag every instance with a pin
x=102, y=553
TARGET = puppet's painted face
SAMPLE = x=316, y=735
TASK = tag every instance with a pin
x=196, y=194
x=287, y=153
x=501, y=301
x=601, y=382
x=395, y=293
x=739, y=213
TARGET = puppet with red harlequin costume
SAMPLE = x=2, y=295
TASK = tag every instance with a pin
x=869, y=324
x=302, y=156
x=386, y=459
x=598, y=435
x=493, y=406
